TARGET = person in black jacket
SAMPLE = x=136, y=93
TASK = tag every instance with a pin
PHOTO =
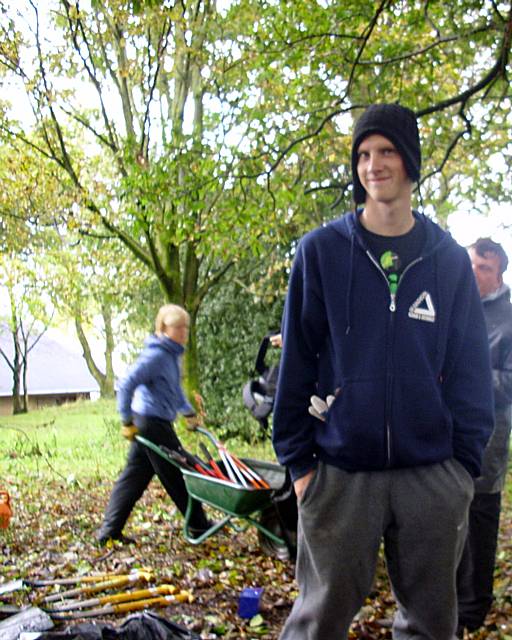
x=475, y=575
x=384, y=334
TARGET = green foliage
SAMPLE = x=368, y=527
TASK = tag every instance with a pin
x=216, y=135
x=137, y=6
x=231, y=329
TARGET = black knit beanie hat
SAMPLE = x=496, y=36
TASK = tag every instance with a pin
x=399, y=125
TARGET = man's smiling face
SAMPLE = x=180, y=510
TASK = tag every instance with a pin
x=382, y=171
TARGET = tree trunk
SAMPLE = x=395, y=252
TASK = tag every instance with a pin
x=24, y=368
x=190, y=362
x=106, y=386
x=17, y=405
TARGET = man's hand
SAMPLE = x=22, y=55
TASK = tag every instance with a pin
x=319, y=408
x=194, y=421
x=301, y=484
x=129, y=431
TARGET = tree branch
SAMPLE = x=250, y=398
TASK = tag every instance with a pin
x=126, y=239
x=66, y=160
x=418, y=52
x=452, y=145
x=89, y=127
x=92, y=73
x=209, y=283
x=161, y=48
x=498, y=70
x=366, y=36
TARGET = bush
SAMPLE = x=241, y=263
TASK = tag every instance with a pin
x=230, y=330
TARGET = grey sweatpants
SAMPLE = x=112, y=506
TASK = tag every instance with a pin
x=420, y=513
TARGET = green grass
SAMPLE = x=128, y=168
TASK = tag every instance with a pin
x=80, y=441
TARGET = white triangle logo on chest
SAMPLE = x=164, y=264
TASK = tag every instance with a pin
x=423, y=308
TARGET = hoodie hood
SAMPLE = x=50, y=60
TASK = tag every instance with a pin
x=436, y=238
x=348, y=227
x=502, y=291
x=163, y=342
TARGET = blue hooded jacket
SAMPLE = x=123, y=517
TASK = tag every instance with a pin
x=410, y=371
x=152, y=386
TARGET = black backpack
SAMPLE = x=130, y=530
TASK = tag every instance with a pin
x=282, y=516
x=259, y=393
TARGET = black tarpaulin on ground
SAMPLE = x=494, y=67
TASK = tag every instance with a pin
x=140, y=626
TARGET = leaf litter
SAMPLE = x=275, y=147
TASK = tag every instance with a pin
x=51, y=535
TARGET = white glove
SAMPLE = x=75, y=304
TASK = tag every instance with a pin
x=319, y=407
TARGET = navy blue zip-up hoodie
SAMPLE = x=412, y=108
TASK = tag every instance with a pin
x=410, y=371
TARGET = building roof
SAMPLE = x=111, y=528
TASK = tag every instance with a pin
x=52, y=368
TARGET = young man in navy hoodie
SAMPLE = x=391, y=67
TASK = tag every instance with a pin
x=383, y=318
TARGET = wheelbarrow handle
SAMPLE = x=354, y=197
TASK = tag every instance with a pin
x=178, y=460
x=209, y=435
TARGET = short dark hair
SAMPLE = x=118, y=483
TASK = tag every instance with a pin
x=486, y=245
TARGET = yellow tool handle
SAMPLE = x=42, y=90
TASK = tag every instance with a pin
x=94, y=588
x=162, y=601
x=113, y=583
x=164, y=589
x=118, y=597
x=77, y=580
x=64, y=613
x=141, y=576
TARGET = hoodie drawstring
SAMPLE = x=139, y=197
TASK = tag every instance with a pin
x=348, y=300
x=437, y=280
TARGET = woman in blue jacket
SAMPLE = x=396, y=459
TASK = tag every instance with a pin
x=149, y=398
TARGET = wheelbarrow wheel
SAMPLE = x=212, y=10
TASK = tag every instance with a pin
x=270, y=520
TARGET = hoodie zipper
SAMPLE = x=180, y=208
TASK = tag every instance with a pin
x=392, y=293
x=393, y=290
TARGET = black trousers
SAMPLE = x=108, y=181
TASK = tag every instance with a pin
x=142, y=464
x=476, y=570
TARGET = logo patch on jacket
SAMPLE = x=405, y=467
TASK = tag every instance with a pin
x=423, y=308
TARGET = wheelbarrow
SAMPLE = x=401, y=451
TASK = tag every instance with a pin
x=252, y=506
